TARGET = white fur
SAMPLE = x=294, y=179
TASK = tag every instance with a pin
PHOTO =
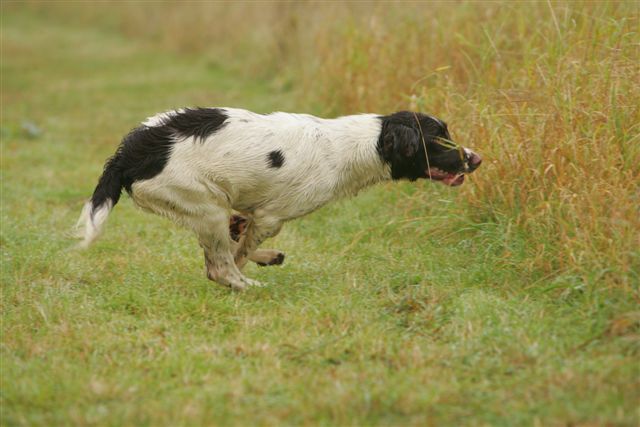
x=90, y=224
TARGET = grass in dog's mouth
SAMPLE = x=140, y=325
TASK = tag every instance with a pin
x=447, y=143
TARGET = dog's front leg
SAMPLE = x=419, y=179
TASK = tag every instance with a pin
x=260, y=228
x=265, y=257
x=262, y=257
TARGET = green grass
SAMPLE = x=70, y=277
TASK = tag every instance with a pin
x=398, y=307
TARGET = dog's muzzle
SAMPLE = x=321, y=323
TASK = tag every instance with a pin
x=472, y=162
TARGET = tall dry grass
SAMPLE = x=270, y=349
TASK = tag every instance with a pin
x=549, y=93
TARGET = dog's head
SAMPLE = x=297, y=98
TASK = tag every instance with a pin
x=406, y=136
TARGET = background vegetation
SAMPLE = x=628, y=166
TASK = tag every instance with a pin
x=511, y=300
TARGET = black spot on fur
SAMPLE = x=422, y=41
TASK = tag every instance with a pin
x=144, y=152
x=276, y=159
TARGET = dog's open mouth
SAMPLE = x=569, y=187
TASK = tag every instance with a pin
x=447, y=178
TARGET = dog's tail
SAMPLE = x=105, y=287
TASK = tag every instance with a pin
x=104, y=198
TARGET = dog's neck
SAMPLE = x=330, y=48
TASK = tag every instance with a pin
x=359, y=164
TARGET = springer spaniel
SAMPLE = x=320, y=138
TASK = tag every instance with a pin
x=235, y=177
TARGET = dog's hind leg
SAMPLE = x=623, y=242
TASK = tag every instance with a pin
x=219, y=261
x=207, y=214
x=215, y=240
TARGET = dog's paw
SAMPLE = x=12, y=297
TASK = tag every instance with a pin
x=277, y=258
x=237, y=227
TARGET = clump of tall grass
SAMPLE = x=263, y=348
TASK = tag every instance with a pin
x=547, y=93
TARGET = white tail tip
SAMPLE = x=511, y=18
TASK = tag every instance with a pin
x=91, y=222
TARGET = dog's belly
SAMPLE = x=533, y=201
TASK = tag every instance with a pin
x=285, y=202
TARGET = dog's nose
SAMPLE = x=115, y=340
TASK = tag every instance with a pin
x=474, y=160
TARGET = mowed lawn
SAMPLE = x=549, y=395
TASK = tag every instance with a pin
x=392, y=308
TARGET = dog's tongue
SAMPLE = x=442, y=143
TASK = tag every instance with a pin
x=453, y=180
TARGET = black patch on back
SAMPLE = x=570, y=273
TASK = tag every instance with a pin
x=144, y=152
x=196, y=122
x=276, y=159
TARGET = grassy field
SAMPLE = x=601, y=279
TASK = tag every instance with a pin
x=510, y=301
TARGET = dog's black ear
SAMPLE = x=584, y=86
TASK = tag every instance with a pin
x=400, y=141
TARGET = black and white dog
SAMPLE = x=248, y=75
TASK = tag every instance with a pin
x=199, y=166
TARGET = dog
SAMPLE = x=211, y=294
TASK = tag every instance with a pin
x=235, y=177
